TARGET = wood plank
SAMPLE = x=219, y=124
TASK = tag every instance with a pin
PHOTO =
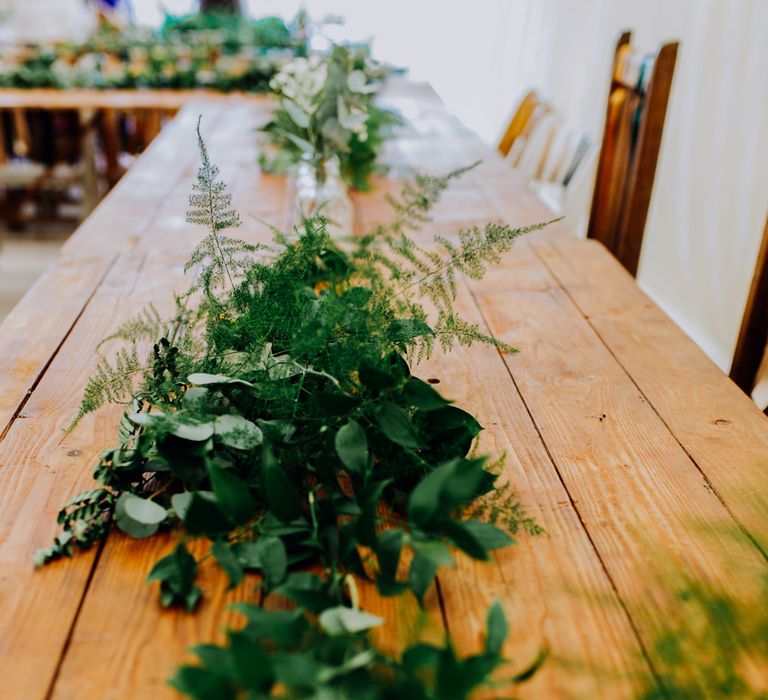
x=644, y=503
x=123, y=567
x=716, y=423
x=31, y=334
x=571, y=610
x=126, y=99
x=39, y=472
x=33, y=494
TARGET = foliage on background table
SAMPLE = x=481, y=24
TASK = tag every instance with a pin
x=215, y=51
x=276, y=416
x=328, y=110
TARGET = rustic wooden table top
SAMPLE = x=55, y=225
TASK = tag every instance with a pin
x=642, y=461
x=90, y=98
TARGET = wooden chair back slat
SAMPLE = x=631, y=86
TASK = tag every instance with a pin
x=519, y=121
x=637, y=107
x=753, y=335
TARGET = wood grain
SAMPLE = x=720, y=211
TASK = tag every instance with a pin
x=639, y=458
x=649, y=511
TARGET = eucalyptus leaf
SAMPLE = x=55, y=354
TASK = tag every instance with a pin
x=238, y=432
x=342, y=620
x=202, y=379
x=138, y=517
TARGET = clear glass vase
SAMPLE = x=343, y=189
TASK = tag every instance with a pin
x=320, y=189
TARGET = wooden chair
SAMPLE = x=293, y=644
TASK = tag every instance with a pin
x=46, y=151
x=753, y=336
x=637, y=107
x=525, y=110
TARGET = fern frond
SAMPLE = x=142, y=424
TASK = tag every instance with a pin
x=146, y=325
x=220, y=258
x=411, y=207
x=477, y=250
x=111, y=382
x=452, y=329
x=210, y=204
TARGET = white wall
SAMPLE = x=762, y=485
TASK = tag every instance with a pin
x=44, y=20
x=711, y=191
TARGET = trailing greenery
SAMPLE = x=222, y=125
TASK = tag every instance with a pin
x=326, y=111
x=279, y=420
x=331, y=656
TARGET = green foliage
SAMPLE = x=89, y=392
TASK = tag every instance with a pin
x=727, y=638
x=85, y=519
x=293, y=655
x=280, y=422
x=327, y=110
x=220, y=259
x=210, y=50
x=111, y=382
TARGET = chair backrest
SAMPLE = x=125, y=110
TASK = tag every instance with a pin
x=534, y=146
x=634, y=123
x=47, y=136
x=753, y=336
x=519, y=121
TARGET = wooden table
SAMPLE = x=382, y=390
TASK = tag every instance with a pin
x=642, y=461
x=90, y=98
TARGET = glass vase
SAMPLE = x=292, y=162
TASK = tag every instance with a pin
x=321, y=190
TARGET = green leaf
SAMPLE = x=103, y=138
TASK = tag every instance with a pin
x=273, y=559
x=342, y=620
x=298, y=670
x=396, y=424
x=194, y=397
x=247, y=554
x=300, y=117
x=286, y=627
x=237, y=432
x=180, y=503
x=421, y=574
x=435, y=551
x=189, y=428
x=497, y=629
x=142, y=510
x=425, y=499
x=388, y=550
x=250, y=664
x=352, y=447
x=205, y=517
x=203, y=379
x=405, y=329
x=176, y=574
x=138, y=517
x=203, y=684
x=228, y=561
x=279, y=491
x=452, y=418
x=488, y=535
x=233, y=495
x=303, y=145
x=423, y=395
